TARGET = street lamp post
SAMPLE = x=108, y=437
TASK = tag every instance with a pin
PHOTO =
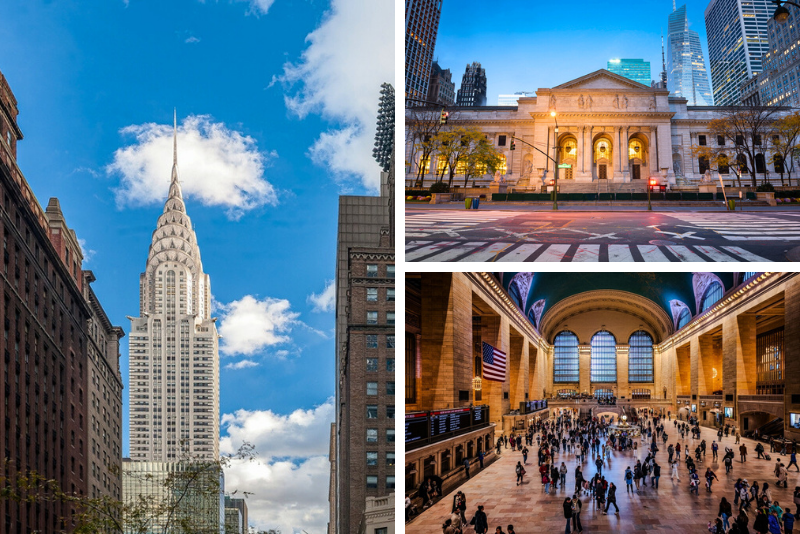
x=650, y=188
x=781, y=14
x=555, y=173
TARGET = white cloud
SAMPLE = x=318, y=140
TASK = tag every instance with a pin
x=259, y=7
x=340, y=73
x=244, y=364
x=249, y=325
x=289, y=480
x=325, y=301
x=86, y=252
x=192, y=40
x=216, y=165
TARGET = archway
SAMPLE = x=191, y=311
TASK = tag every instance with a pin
x=568, y=155
x=637, y=156
x=603, y=168
x=755, y=419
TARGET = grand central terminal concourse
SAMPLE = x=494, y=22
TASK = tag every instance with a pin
x=602, y=402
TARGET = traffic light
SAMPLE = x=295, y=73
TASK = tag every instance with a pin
x=513, y=145
x=443, y=119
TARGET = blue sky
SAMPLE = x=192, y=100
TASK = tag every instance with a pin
x=530, y=45
x=274, y=123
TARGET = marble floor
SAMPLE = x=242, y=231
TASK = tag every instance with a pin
x=670, y=508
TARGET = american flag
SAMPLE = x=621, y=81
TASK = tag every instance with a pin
x=494, y=363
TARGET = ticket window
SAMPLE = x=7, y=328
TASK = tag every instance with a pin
x=446, y=458
x=470, y=449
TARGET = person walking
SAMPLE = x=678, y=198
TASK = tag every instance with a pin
x=563, y=472
x=567, y=514
x=670, y=453
x=628, y=480
x=480, y=521
x=743, y=452
x=788, y=521
x=678, y=450
x=675, y=475
x=715, y=448
x=656, y=474
x=782, y=476
x=637, y=474
x=576, y=514
x=738, y=437
x=793, y=460
x=725, y=512
x=466, y=467
x=524, y=456
x=599, y=464
x=611, y=499
x=710, y=476
x=520, y=473
x=480, y=459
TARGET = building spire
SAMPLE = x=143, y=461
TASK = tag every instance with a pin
x=175, y=186
x=663, y=61
x=673, y=6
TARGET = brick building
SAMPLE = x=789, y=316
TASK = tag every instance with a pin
x=45, y=368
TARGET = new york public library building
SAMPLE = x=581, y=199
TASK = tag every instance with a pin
x=722, y=347
x=614, y=134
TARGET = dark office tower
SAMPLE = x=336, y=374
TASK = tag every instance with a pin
x=45, y=315
x=422, y=25
x=442, y=89
x=473, y=87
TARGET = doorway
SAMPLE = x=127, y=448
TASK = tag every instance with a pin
x=602, y=172
x=637, y=172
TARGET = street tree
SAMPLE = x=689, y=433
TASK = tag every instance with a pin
x=423, y=124
x=787, y=146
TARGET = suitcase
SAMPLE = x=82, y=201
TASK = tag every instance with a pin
x=767, y=457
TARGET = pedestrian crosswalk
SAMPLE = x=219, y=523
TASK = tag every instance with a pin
x=743, y=226
x=424, y=224
x=475, y=251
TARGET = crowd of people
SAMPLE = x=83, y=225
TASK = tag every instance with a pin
x=591, y=440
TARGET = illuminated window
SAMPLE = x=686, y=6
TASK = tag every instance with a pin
x=569, y=149
x=712, y=295
x=770, y=362
x=604, y=357
x=565, y=358
x=602, y=150
x=635, y=149
x=640, y=357
x=603, y=393
x=748, y=276
x=684, y=318
x=640, y=394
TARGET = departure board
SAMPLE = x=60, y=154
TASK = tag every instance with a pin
x=416, y=426
x=446, y=421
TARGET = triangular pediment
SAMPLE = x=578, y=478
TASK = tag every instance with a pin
x=603, y=79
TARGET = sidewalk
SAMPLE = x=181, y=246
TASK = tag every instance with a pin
x=582, y=206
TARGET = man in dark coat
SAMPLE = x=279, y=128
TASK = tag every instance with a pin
x=612, y=498
x=480, y=521
x=568, y=514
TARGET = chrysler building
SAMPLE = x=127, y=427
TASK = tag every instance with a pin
x=174, y=356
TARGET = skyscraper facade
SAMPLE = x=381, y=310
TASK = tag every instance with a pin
x=442, y=89
x=473, y=87
x=422, y=26
x=174, y=357
x=687, y=76
x=777, y=83
x=737, y=42
x=637, y=70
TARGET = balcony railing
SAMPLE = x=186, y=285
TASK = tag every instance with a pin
x=711, y=397
x=761, y=398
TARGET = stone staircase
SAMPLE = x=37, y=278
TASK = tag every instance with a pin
x=602, y=186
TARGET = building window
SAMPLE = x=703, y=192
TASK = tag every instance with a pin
x=372, y=435
x=390, y=271
x=372, y=341
x=390, y=482
x=748, y=276
x=390, y=365
x=777, y=163
x=372, y=365
x=390, y=294
x=565, y=359
x=372, y=458
x=701, y=139
x=513, y=292
x=372, y=270
x=390, y=341
x=390, y=459
x=757, y=140
x=372, y=411
x=372, y=388
x=721, y=140
x=390, y=435
x=711, y=296
x=703, y=164
x=603, y=393
x=770, y=362
x=390, y=388
x=761, y=166
x=640, y=394
x=739, y=140
x=501, y=140
x=604, y=357
x=723, y=164
x=372, y=317
x=389, y=317
x=684, y=318
x=411, y=368
x=640, y=357
x=390, y=411
x=372, y=481
x=372, y=294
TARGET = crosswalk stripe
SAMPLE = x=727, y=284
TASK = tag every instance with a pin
x=587, y=253
x=453, y=253
x=424, y=251
x=488, y=253
x=553, y=253
x=413, y=244
x=619, y=253
x=520, y=253
x=713, y=253
x=744, y=254
x=651, y=253
x=683, y=253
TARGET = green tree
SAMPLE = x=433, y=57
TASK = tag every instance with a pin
x=788, y=143
x=482, y=158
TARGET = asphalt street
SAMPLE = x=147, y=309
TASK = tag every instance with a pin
x=570, y=235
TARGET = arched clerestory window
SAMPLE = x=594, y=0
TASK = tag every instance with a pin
x=713, y=293
x=604, y=357
x=684, y=318
x=513, y=292
x=566, y=367
x=640, y=357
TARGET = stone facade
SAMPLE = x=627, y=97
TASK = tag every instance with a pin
x=610, y=130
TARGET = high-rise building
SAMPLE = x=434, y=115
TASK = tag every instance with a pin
x=737, y=42
x=363, y=449
x=241, y=506
x=637, y=70
x=174, y=358
x=687, y=76
x=422, y=26
x=472, y=92
x=442, y=89
x=48, y=312
x=777, y=83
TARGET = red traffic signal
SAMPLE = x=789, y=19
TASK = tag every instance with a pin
x=653, y=182
x=443, y=118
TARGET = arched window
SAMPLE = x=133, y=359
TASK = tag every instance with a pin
x=748, y=276
x=761, y=166
x=723, y=164
x=565, y=358
x=604, y=357
x=711, y=296
x=703, y=163
x=742, y=160
x=684, y=318
x=513, y=292
x=532, y=316
x=640, y=357
x=777, y=162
